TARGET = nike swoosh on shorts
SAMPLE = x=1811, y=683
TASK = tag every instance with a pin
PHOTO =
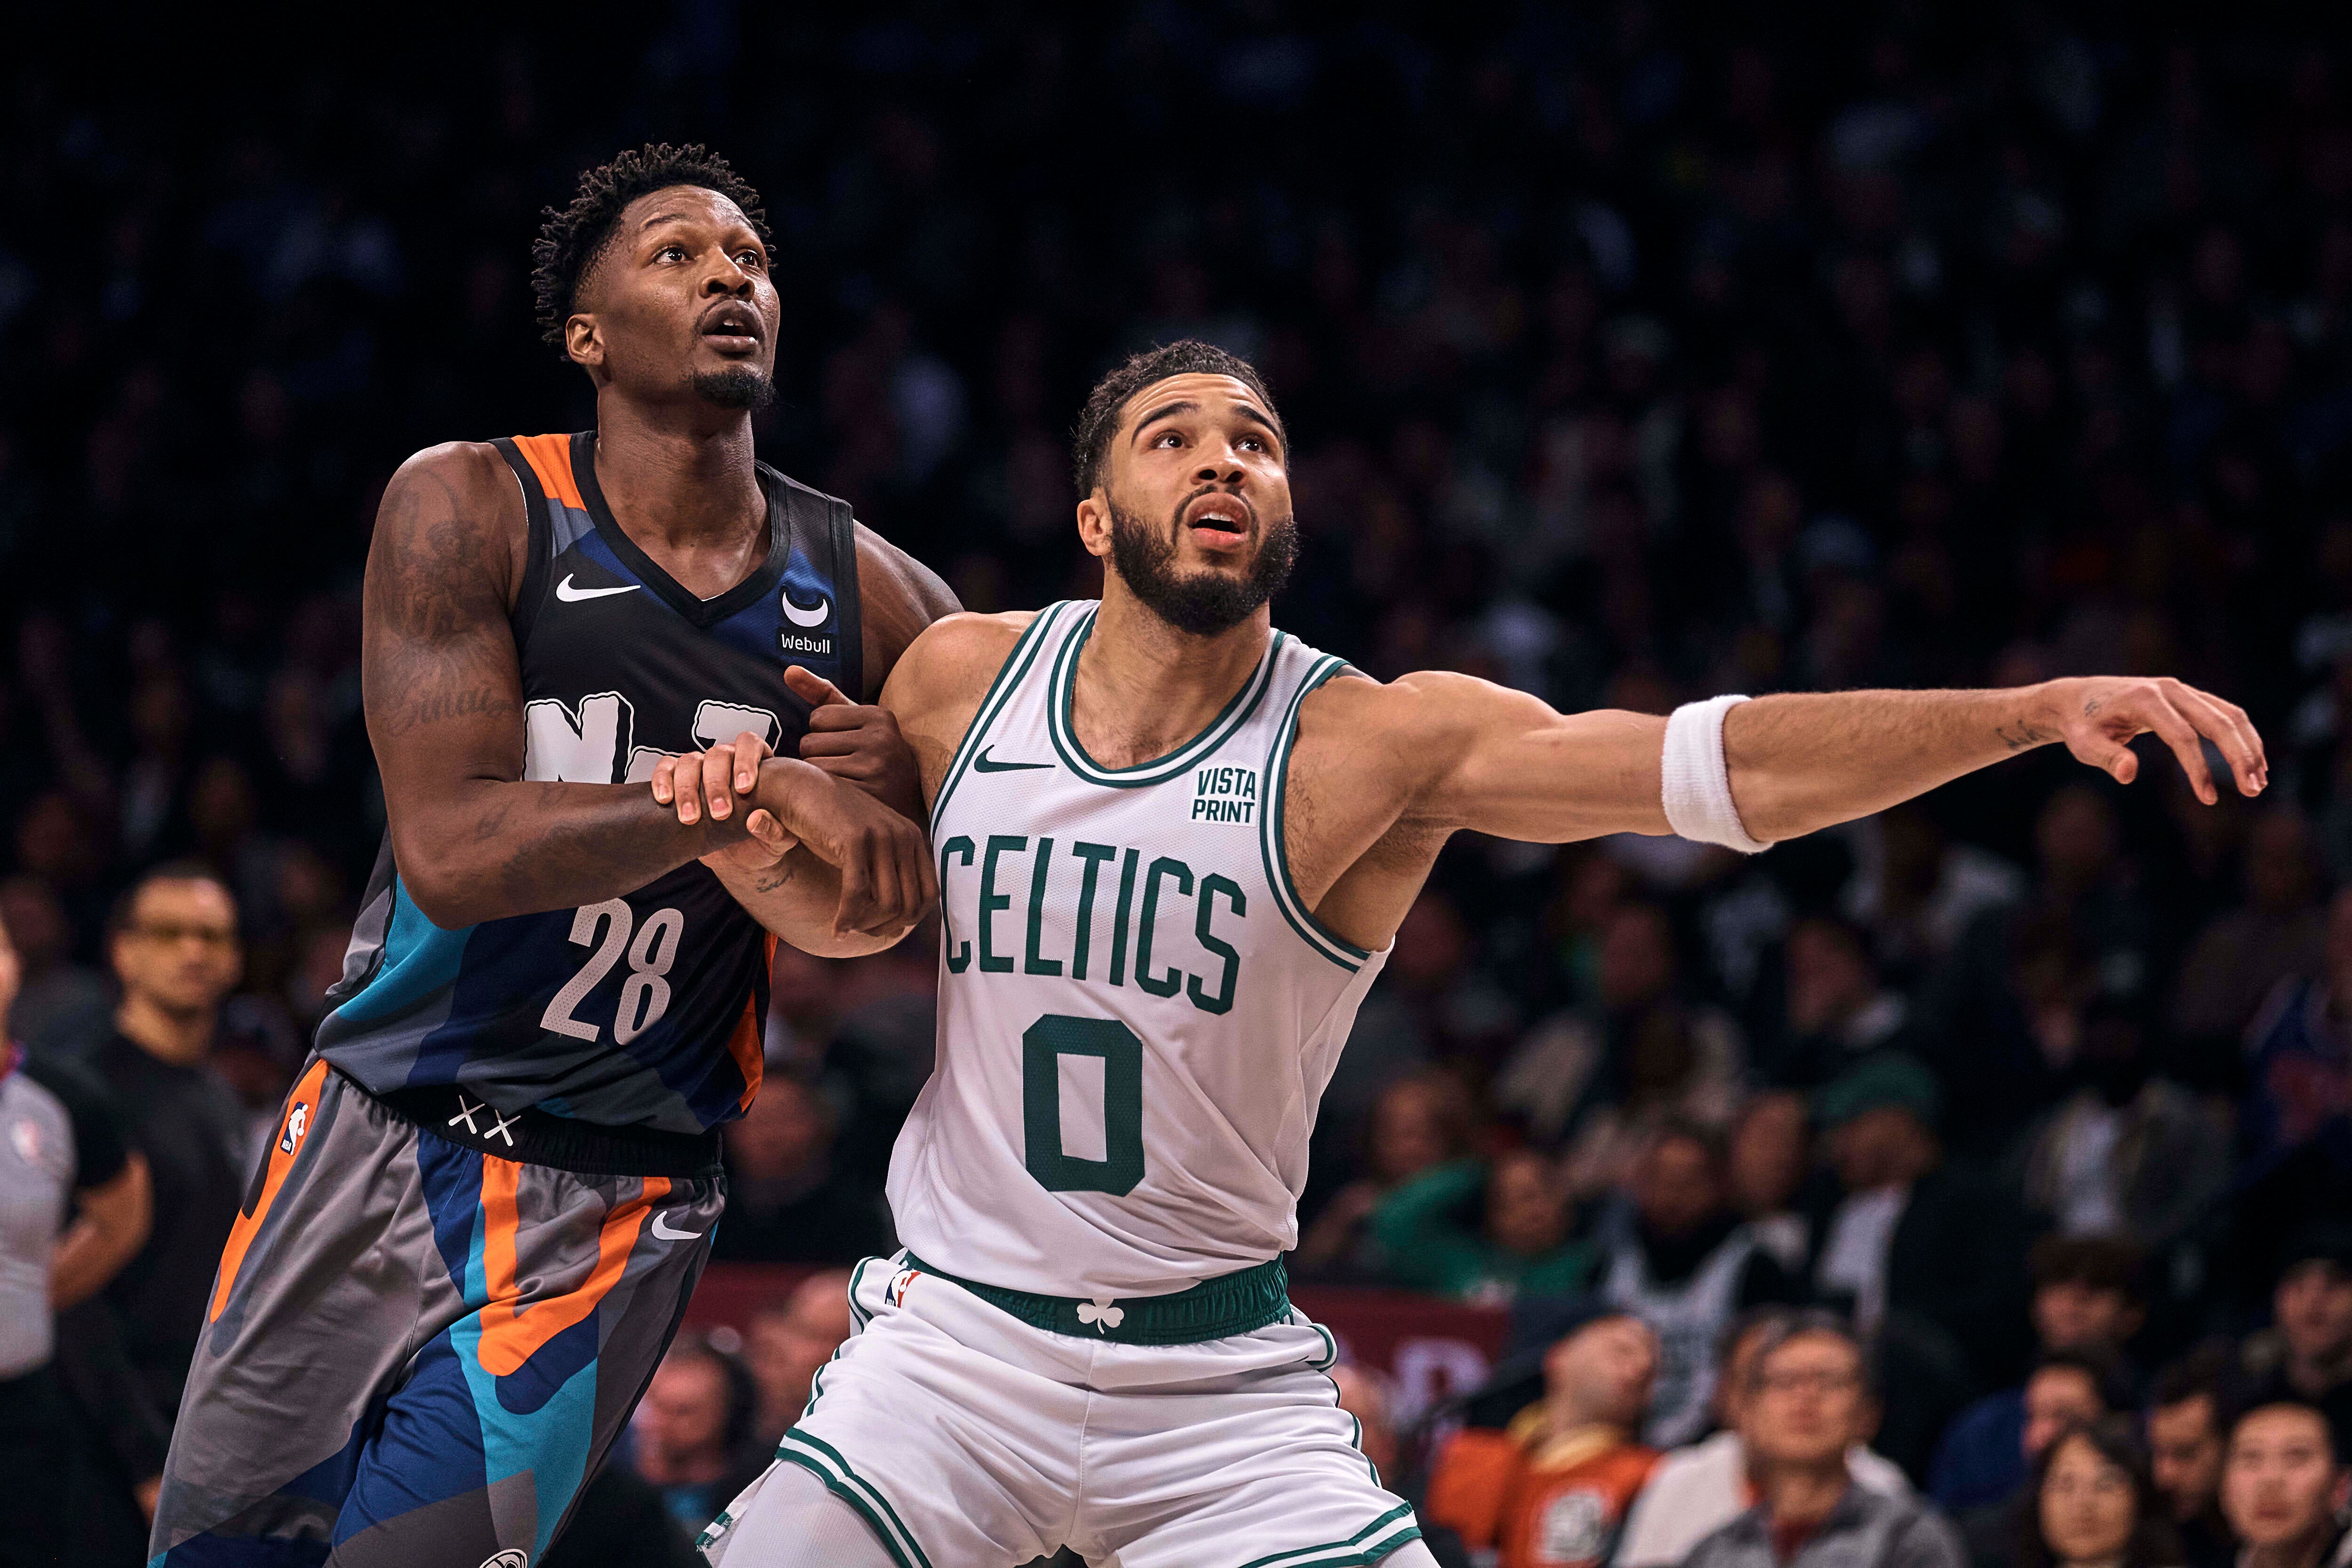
x=661, y=1228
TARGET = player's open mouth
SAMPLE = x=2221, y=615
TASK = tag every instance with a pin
x=731, y=328
x=1221, y=520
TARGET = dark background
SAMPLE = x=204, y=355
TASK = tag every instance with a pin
x=1632, y=353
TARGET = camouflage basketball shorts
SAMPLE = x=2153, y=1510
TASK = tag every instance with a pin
x=418, y=1349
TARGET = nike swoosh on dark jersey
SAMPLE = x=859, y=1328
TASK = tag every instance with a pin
x=983, y=763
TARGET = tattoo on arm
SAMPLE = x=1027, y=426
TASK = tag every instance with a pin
x=777, y=876
x=2021, y=736
x=435, y=707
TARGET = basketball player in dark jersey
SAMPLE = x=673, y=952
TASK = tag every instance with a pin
x=494, y=1184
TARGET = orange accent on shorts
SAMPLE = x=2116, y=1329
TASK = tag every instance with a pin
x=512, y=1331
x=550, y=457
x=305, y=1092
x=747, y=1045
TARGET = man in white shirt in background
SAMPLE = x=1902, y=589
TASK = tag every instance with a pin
x=1697, y=1490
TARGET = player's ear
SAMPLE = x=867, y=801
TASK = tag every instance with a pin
x=582, y=342
x=1094, y=524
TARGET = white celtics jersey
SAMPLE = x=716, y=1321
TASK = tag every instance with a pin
x=1137, y=1014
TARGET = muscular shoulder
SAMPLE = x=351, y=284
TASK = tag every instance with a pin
x=468, y=476
x=451, y=511
x=957, y=656
x=937, y=687
x=1404, y=718
x=899, y=597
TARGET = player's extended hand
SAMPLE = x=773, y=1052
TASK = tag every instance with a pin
x=714, y=783
x=884, y=859
x=2098, y=716
x=858, y=742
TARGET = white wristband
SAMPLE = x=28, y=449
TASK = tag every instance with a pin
x=1697, y=785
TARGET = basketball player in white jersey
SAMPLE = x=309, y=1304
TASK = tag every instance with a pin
x=1174, y=845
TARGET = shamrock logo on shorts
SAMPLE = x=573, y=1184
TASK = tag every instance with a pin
x=1102, y=1314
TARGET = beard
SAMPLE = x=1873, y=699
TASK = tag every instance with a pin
x=1200, y=603
x=736, y=387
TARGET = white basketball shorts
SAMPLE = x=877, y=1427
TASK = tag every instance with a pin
x=967, y=1439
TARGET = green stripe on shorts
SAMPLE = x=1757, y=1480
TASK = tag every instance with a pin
x=1347, y=1554
x=855, y=1489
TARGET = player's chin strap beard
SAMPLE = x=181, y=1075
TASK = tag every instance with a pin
x=1201, y=603
x=736, y=387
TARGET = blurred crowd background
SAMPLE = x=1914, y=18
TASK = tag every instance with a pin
x=1632, y=353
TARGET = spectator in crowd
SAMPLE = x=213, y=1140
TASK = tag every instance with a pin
x=1686, y=1265
x=62, y=1007
x=1594, y=1080
x=696, y=1441
x=1417, y=1122
x=787, y=1201
x=1809, y=1402
x=2308, y=1353
x=789, y=1340
x=1838, y=1012
x=2086, y=1293
x=1911, y=1235
x=2284, y=1488
x=2094, y=1506
x=1366, y=1393
x=2298, y=1055
x=172, y=938
x=1768, y=1156
x=2278, y=933
x=1697, y=1490
x=2125, y=1153
x=1485, y=1230
x=1550, y=1490
x=2187, y=1423
x=2004, y=1003
x=2072, y=1387
x=73, y=1208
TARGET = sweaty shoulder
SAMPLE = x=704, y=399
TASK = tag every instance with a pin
x=936, y=690
x=897, y=597
x=454, y=507
x=956, y=657
x=1360, y=715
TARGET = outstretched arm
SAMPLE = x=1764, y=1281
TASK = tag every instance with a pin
x=1805, y=761
x=443, y=688
x=1501, y=762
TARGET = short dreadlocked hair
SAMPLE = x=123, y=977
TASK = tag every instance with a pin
x=571, y=240
x=1106, y=405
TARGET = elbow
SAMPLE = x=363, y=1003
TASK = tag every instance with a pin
x=441, y=891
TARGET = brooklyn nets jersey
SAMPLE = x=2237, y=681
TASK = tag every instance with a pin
x=645, y=1009
x=1138, y=1013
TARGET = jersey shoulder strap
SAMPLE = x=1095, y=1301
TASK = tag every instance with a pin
x=818, y=535
x=553, y=511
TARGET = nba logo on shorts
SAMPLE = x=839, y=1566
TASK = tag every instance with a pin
x=297, y=1120
x=896, y=1291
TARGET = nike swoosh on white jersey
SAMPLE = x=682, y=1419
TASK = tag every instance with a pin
x=800, y=617
x=662, y=1229
x=571, y=595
